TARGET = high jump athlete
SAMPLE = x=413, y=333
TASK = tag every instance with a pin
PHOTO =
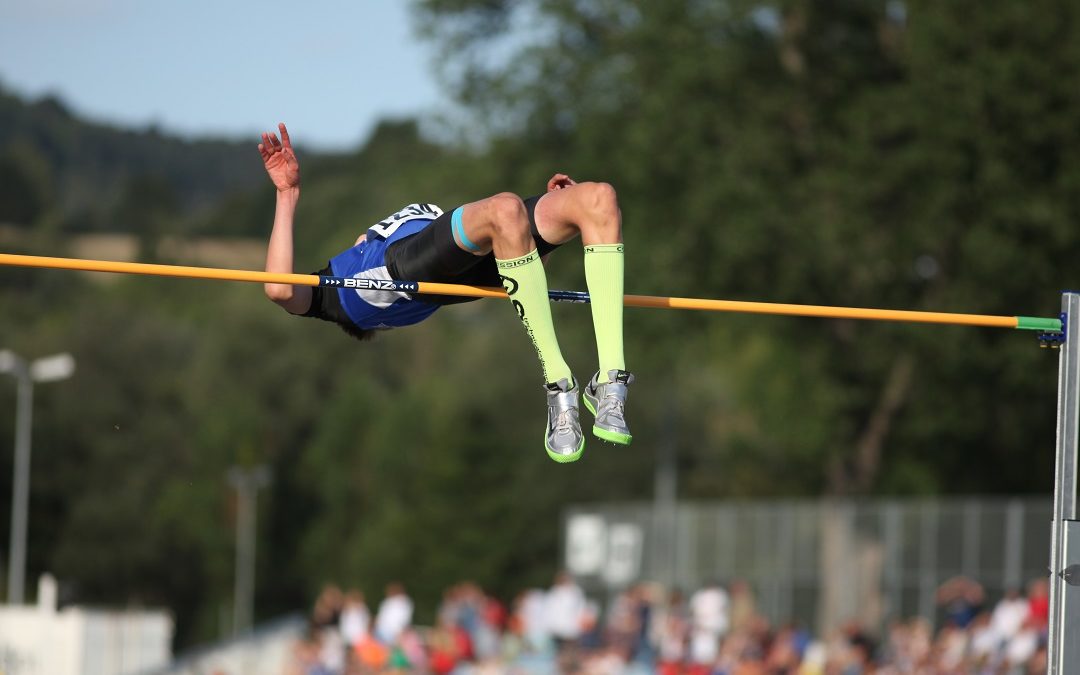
x=500, y=240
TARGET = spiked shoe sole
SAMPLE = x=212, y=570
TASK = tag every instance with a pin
x=566, y=459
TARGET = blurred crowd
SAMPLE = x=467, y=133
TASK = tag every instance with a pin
x=715, y=630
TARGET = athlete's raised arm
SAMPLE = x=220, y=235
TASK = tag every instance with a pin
x=284, y=171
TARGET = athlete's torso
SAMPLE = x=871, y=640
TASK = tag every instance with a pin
x=367, y=260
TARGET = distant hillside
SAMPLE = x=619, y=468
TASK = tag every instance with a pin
x=82, y=175
x=61, y=173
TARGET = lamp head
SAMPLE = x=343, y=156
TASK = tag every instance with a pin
x=53, y=368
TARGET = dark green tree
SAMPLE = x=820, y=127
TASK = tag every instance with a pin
x=848, y=152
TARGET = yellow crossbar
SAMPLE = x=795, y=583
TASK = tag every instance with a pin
x=485, y=292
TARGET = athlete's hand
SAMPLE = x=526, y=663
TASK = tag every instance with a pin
x=280, y=160
x=559, y=181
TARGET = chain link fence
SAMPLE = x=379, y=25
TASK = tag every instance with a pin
x=816, y=562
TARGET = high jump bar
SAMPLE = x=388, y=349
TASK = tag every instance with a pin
x=422, y=287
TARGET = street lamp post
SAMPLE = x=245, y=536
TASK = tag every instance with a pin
x=48, y=369
x=247, y=483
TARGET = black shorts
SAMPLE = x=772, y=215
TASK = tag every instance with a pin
x=432, y=255
x=325, y=303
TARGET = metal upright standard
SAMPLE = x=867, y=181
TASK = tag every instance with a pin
x=1064, y=635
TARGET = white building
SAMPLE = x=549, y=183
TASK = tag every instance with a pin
x=41, y=640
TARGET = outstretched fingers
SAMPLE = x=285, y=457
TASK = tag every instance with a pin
x=269, y=145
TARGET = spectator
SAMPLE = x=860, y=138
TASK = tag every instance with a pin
x=355, y=619
x=986, y=639
x=592, y=631
x=622, y=624
x=394, y=615
x=785, y=651
x=327, y=610
x=564, y=609
x=709, y=621
x=647, y=598
x=1039, y=602
x=305, y=655
x=951, y=647
x=922, y=641
x=961, y=599
x=743, y=606
x=699, y=637
x=532, y=619
x=671, y=632
x=412, y=649
x=487, y=624
x=324, y=624
x=1022, y=647
x=1009, y=616
x=372, y=654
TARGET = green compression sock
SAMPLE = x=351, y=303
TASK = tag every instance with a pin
x=526, y=283
x=604, y=277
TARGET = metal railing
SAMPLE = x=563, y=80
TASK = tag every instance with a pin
x=818, y=562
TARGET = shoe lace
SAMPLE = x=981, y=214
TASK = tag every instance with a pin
x=564, y=421
x=615, y=408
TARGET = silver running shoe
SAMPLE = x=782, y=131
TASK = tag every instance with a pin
x=607, y=403
x=564, y=440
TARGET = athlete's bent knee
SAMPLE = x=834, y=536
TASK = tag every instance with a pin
x=601, y=221
x=601, y=198
x=508, y=216
x=507, y=207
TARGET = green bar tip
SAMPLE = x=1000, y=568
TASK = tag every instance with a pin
x=1038, y=323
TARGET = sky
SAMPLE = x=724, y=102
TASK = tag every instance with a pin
x=328, y=68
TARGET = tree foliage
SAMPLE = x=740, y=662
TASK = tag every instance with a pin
x=853, y=152
x=850, y=152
